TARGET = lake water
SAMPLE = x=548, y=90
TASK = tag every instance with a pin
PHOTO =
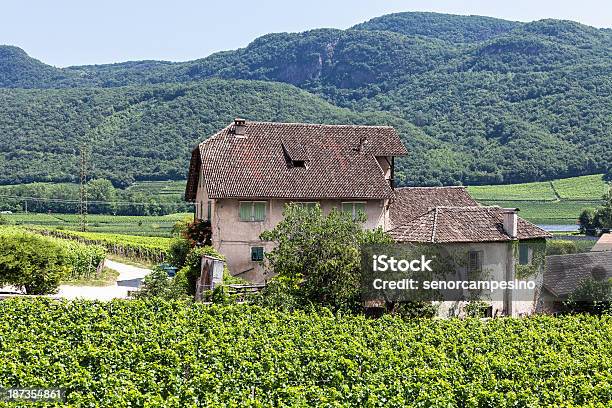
x=560, y=228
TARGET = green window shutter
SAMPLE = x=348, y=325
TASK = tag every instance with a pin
x=257, y=254
x=259, y=211
x=359, y=207
x=523, y=254
x=246, y=208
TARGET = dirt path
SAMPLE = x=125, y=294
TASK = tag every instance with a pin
x=130, y=278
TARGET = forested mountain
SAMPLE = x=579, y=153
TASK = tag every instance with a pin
x=476, y=99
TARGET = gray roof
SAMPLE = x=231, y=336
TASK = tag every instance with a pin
x=564, y=273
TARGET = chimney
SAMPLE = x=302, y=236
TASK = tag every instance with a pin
x=240, y=127
x=511, y=222
x=362, y=142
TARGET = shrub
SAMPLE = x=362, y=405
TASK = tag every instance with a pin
x=561, y=247
x=592, y=297
x=178, y=251
x=34, y=263
x=588, y=222
x=157, y=284
x=198, y=232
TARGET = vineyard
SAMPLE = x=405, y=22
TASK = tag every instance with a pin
x=131, y=353
x=156, y=225
x=547, y=202
x=138, y=248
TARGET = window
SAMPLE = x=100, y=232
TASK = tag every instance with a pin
x=353, y=208
x=252, y=210
x=474, y=262
x=209, y=210
x=311, y=205
x=257, y=254
x=524, y=254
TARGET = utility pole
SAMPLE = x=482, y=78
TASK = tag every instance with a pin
x=83, y=190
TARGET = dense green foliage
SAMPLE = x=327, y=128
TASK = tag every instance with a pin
x=477, y=100
x=102, y=197
x=593, y=296
x=84, y=261
x=145, y=132
x=139, y=248
x=317, y=258
x=561, y=247
x=176, y=355
x=593, y=220
x=32, y=263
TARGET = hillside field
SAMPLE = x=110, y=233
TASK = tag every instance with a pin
x=116, y=224
x=548, y=202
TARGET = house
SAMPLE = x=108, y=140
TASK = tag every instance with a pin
x=604, y=243
x=492, y=241
x=241, y=178
x=565, y=273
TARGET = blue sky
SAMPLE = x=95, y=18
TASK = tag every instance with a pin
x=72, y=32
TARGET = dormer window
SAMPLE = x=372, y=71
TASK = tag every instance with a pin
x=295, y=154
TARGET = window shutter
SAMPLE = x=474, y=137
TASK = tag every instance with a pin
x=523, y=254
x=245, y=210
x=359, y=207
x=474, y=262
x=259, y=211
x=257, y=254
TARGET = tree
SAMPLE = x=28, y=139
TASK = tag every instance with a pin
x=102, y=190
x=608, y=175
x=34, y=263
x=603, y=215
x=317, y=258
x=588, y=222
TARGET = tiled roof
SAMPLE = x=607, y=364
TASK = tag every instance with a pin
x=409, y=203
x=604, y=243
x=295, y=160
x=564, y=273
x=463, y=224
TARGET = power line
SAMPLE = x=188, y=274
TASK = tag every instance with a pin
x=83, y=190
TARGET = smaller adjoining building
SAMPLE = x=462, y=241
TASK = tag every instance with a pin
x=491, y=241
x=565, y=273
x=604, y=243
